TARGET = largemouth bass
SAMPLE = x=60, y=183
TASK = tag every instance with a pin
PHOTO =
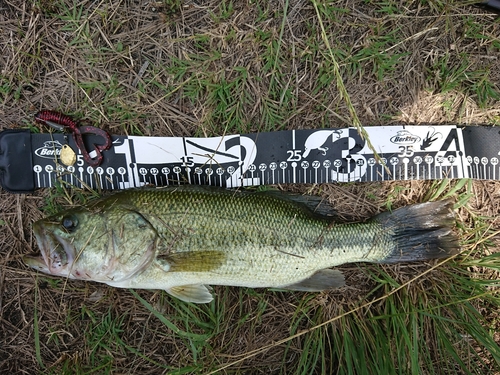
x=184, y=238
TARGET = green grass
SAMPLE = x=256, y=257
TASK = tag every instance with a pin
x=378, y=56
x=103, y=339
x=36, y=332
x=407, y=333
x=233, y=68
x=450, y=74
x=63, y=196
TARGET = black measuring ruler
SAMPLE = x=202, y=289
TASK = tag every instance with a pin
x=29, y=161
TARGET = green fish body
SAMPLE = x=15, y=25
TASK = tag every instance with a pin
x=182, y=238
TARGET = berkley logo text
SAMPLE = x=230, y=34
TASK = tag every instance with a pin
x=50, y=150
x=404, y=137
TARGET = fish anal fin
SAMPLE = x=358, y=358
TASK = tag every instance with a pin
x=191, y=293
x=196, y=261
x=321, y=280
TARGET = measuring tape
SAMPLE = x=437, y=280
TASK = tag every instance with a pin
x=29, y=161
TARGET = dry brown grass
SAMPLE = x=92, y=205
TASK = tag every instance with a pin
x=120, y=65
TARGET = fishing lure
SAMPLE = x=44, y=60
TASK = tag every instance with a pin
x=55, y=119
x=62, y=122
x=67, y=156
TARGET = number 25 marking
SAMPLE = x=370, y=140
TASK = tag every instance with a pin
x=294, y=155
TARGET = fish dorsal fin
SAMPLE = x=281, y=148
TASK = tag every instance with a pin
x=321, y=280
x=195, y=261
x=191, y=293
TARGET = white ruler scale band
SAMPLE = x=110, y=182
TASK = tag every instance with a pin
x=29, y=161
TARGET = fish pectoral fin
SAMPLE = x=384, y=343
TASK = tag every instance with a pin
x=191, y=293
x=321, y=280
x=192, y=261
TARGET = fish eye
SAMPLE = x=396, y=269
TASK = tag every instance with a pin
x=69, y=222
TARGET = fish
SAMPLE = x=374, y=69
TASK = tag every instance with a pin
x=183, y=239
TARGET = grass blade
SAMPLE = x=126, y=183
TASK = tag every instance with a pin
x=36, y=329
x=165, y=321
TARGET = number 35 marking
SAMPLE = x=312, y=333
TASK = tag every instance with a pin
x=406, y=151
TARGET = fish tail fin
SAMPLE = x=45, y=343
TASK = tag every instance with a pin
x=420, y=231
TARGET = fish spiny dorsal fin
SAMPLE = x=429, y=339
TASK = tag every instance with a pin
x=321, y=280
x=191, y=293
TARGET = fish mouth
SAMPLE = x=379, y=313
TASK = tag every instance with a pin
x=56, y=254
x=36, y=261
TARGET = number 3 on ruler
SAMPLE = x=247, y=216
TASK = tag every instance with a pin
x=355, y=163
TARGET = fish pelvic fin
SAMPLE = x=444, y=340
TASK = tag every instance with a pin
x=191, y=293
x=420, y=231
x=320, y=280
